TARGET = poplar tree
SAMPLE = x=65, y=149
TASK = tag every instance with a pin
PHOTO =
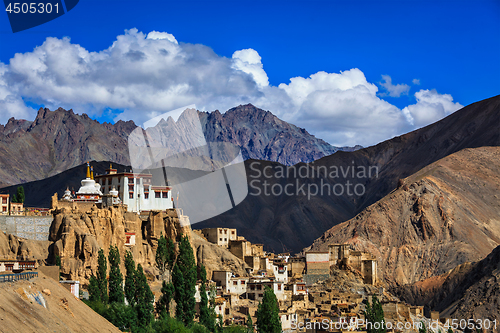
x=249, y=324
x=130, y=278
x=163, y=304
x=375, y=314
x=165, y=254
x=143, y=298
x=205, y=316
x=115, y=276
x=184, y=279
x=102, y=282
x=268, y=320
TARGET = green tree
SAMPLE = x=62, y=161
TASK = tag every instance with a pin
x=94, y=290
x=422, y=328
x=249, y=324
x=375, y=314
x=163, y=304
x=115, y=276
x=101, y=277
x=58, y=263
x=19, y=196
x=165, y=254
x=268, y=320
x=184, y=279
x=143, y=298
x=130, y=278
x=161, y=255
x=205, y=316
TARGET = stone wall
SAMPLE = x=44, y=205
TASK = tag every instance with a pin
x=29, y=227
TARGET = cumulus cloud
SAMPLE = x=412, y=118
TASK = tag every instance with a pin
x=416, y=82
x=249, y=61
x=430, y=107
x=144, y=76
x=394, y=90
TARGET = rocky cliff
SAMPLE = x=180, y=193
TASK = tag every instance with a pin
x=470, y=290
x=80, y=230
x=442, y=216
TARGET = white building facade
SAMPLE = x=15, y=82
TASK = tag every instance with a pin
x=136, y=190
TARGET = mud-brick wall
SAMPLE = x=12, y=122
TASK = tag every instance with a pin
x=29, y=227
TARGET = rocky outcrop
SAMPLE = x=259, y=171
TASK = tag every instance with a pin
x=79, y=231
x=12, y=247
x=78, y=234
x=444, y=215
x=470, y=290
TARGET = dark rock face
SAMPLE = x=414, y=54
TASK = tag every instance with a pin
x=59, y=140
x=263, y=136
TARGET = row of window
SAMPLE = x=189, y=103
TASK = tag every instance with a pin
x=158, y=195
x=225, y=232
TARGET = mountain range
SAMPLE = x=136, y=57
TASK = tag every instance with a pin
x=59, y=140
x=291, y=223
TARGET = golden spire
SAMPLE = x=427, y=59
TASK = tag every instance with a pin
x=88, y=170
x=91, y=172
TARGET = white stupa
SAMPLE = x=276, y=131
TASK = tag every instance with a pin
x=67, y=195
x=90, y=190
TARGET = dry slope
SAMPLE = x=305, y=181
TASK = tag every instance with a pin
x=444, y=215
x=64, y=313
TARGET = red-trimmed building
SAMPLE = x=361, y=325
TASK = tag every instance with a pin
x=136, y=190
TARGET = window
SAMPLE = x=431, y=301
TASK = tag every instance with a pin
x=227, y=311
x=232, y=232
x=131, y=180
x=4, y=200
x=220, y=231
x=165, y=194
x=157, y=194
x=4, y=209
x=225, y=239
x=235, y=283
x=146, y=195
x=279, y=286
x=9, y=267
x=220, y=308
x=131, y=187
x=146, y=188
x=131, y=195
x=259, y=287
x=242, y=281
x=252, y=287
x=220, y=239
x=261, y=295
x=225, y=232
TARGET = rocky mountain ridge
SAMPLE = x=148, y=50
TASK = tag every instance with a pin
x=293, y=222
x=59, y=140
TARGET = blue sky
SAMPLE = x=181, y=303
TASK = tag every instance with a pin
x=450, y=48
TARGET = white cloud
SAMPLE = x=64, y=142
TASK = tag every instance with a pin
x=430, y=107
x=249, y=61
x=416, y=82
x=162, y=35
x=394, y=90
x=146, y=75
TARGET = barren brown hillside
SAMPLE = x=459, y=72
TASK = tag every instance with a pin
x=444, y=215
x=63, y=312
